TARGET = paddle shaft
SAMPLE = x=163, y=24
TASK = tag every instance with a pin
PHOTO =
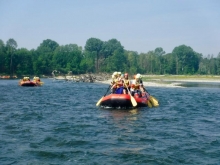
x=133, y=101
x=100, y=100
x=146, y=91
x=107, y=90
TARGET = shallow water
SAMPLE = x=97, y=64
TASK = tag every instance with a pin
x=59, y=123
x=201, y=84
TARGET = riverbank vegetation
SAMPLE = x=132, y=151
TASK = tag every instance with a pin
x=102, y=56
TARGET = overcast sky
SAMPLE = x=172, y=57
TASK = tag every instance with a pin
x=140, y=25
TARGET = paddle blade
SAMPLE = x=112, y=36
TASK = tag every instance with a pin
x=154, y=101
x=98, y=103
x=41, y=83
x=133, y=101
x=149, y=104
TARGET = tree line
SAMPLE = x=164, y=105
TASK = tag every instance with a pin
x=102, y=56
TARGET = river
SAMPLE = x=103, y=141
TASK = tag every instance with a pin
x=59, y=123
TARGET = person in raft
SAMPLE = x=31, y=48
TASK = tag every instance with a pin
x=126, y=84
x=114, y=81
x=137, y=85
x=36, y=79
x=26, y=79
x=117, y=83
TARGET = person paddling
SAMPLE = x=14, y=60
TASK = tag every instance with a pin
x=126, y=84
x=137, y=85
x=140, y=82
x=142, y=89
x=119, y=84
x=114, y=81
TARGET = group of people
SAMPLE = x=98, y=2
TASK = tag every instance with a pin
x=26, y=79
x=35, y=79
x=121, y=84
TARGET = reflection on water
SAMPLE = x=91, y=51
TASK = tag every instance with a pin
x=118, y=114
x=134, y=111
x=201, y=84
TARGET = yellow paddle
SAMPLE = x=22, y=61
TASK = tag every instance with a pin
x=100, y=100
x=133, y=101
x=149, y=104
x=148, y=100
x=152, y=100
x=41, y=83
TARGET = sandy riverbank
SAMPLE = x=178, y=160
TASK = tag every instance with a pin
x=171, y=83
x=152, y=84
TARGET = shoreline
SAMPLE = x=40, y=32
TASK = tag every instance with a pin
x=149, y=84
x=171, y=83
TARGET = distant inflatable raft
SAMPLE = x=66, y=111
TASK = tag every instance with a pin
x=28, y=83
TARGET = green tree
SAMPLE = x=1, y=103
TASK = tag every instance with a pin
x=218, y=64
x=187, y=61
x=23, y=64
x=2, y=57
x=132, y=65
x=109, y=48
x=169, y=62
x=11, y=45
x=45, y=52
x=159, y=52
x=147, y=62
x=68, y=58
x=87, y=64
x=94, y=45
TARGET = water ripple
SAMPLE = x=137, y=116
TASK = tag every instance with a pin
x=58, y=123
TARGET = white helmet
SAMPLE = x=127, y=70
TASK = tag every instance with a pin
x=138, y=75
x=115, y=73
x=119, y=73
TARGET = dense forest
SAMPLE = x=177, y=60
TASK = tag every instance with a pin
x=102, y=56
